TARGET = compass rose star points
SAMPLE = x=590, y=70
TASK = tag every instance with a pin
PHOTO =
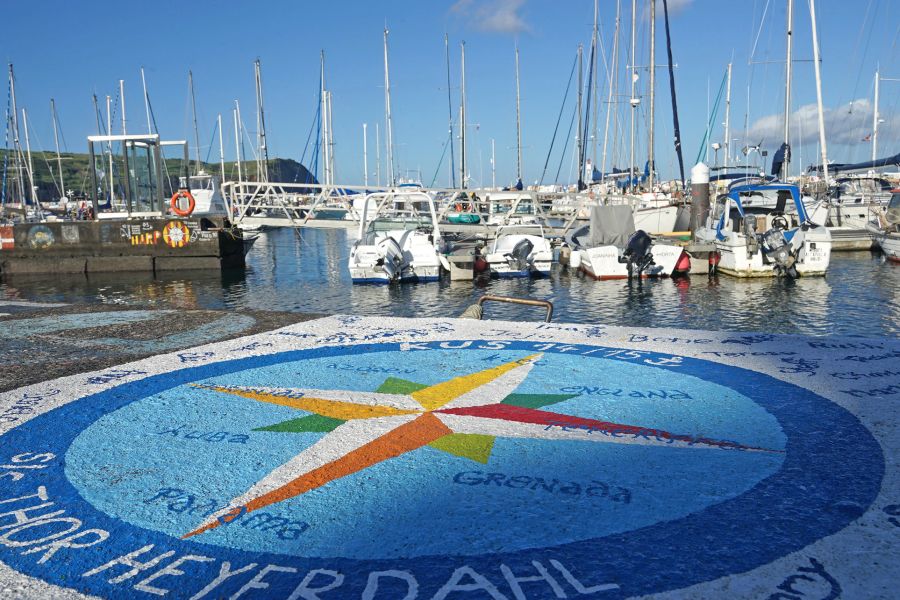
x=460, y=416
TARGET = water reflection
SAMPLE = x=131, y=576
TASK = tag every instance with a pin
x=306, y=271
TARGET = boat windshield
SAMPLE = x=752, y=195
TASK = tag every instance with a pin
x=399, y=223
x=895, y=200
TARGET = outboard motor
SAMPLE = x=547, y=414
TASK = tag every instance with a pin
x=777, y=249
x=518, y=258
x=391, y=261
x=637, y=253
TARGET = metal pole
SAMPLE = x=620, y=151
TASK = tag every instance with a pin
x=452, y=166
x=377, y=155
x=493, y=167
x=650, y=142
x=612, y=80
x=93, y=169
x=15, y=126
x=365, y=157
x=263, y=149
x=787, y=87
x=237, y=155
x=221, y=148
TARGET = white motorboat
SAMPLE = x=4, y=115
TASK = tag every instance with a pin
x=404, y=245
x=887, y=229
x=520, y=251
x=766, y=242
x=611, y=247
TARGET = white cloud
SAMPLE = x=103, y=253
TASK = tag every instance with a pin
x=502, y=16
x=675, y=7
x=847, y=125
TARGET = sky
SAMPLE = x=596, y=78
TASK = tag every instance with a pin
x=70, y=50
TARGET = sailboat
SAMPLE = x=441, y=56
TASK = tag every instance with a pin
x=887, y=228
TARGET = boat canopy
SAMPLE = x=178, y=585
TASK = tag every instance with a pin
x=734, y=195
x=611, y=225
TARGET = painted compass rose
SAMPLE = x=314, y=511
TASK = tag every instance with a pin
x=461, y=416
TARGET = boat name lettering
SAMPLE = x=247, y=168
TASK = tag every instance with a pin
x=370, y=369
x=635, y=337
x=594, y=489
x=885, y=391
x=205, y=436
x=852, y=375
x=808, y=582
x=742, y=354
x=799, y=365
x=619, y=392
x=25, y=405
x=180, y=501
x=874, y=357
x=893, y=511
x=113, y=375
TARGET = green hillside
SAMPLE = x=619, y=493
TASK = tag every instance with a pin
x=76, y=174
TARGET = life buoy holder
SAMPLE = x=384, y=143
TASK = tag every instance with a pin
x=458, y=207
x=190, y=199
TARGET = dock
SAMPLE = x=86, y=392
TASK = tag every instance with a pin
x=204, y=454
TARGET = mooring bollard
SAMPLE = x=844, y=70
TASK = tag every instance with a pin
x=699, y=196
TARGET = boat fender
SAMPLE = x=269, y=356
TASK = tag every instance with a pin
x=182, y=212
x=575, y=259
x=684, y=263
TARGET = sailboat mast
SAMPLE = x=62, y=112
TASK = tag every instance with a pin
x=815, y=41
x=221, y=148
x=326, y=123
x=122, y=97
x=579, y=130
x=238, y=140
x=377, y=155
x=634, y=100
x=33, y=193
x=875, y=120
x=146, y=101
x=727, y=143
x=595, y=42
x=612, y=79
x=365, y=157
x=109, y=179
x=450, y=112
x=194, y=114
x=493, y=167
x=389, y=131
x=787, y=89
x=62, y=184
x=15, y=127
x=518, y=126
x=262, y=169
x=462, y=117
x=650, y=142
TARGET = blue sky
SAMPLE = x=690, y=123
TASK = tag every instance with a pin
x=69, y=50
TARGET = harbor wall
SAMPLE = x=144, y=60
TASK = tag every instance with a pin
x=136, y=244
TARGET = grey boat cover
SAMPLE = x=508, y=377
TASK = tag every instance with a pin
x=610, y=226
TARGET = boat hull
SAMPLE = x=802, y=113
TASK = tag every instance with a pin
x=603, y=263
x=812, y=260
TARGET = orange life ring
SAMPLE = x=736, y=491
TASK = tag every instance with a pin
x=191, y=203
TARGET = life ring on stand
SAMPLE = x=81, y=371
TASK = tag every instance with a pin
x=191, y=203
x=458, y=207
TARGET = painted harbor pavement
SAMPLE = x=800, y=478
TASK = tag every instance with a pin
x=391, y=458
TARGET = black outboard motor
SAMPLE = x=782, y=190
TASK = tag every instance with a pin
x=637, y=253
x=518, y=258
x=777, y=250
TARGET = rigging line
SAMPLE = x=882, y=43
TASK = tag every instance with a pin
x=211, y=142
x=5, y=151
x=762, y=21
x=712, y=117
x=558, y=119
x=866, y=49
x=563, y=155
x=437, y=169
x=859, y=38
x=306, y=145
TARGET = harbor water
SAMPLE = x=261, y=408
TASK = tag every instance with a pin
x=306, y=271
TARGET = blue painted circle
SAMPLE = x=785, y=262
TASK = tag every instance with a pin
x=692, y=514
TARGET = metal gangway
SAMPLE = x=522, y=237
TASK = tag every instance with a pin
x=277, y=204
